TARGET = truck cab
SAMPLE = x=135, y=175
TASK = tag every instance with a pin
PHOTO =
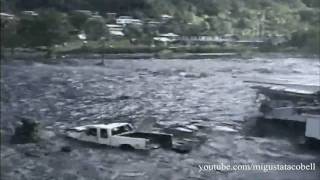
x=113, y=134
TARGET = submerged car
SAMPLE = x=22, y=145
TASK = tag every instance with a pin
x=120, y=135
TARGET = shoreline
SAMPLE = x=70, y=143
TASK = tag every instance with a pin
x=123, y=55
x=38, y=56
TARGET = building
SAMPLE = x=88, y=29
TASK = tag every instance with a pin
x=6, y=19
x=166, y=38
x=6, y=16
x=165, y=17
x=96, y=16
x=110, y=15
x=84, y=12
x=169, y=35
x=153, y=23
x=125, y=20
x=115, y=29
x=29, y=13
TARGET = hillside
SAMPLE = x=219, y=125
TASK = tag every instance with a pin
x=295, y=20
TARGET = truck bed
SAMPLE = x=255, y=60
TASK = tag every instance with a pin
x=164, y=140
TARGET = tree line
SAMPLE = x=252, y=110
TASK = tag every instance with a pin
x=297, y=20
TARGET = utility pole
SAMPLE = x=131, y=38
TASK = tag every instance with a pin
x=261, y=17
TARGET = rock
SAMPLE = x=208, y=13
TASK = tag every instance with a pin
x=263, y=70
x=66, y=149
x=70, y=176
x=202, y=75
x=31, y=150
x=123, y=97
x=32, y=154
x=27, y=132
x=182, y=148
x=101, y=63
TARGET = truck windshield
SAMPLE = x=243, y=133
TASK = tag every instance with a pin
x=121, y=129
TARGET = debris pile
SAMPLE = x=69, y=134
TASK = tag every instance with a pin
x=290, y=102
x=27, y=132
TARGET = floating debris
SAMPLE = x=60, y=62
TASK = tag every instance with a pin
x=225, y=128
x=27, y=132
x=185, y=130
x=133, y=174
x=290, y=102
x=66, y=149
x=181, y=147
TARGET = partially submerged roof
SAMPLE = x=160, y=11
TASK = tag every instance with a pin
x=101, y=126
x=284, y=87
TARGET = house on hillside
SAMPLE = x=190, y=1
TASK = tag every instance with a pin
x=125, y=20
x=165, y=17
x=96, y=16
x=115, y=30
x=111, y=17
x=6, y=18
x=166, y=38
x=84, y=12
x=29, y=13
x=169, y=35
x=153, y=23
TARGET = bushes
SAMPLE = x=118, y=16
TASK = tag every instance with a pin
x=160, y=50
x=307, y=40
x=118, y=50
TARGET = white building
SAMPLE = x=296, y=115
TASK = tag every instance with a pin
x=124, y=20
x=6, y=16
x=85, y=12
x=115, y=29
x=30, y=13
x=166, y=17
x=166, y=38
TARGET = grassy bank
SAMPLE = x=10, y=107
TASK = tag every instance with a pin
x=124, y=47
x=126, y=50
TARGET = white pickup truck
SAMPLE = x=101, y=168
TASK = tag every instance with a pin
x=119, y=135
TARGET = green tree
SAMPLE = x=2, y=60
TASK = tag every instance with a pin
x=220, y=26
x=95, y=28
x=196, y=29
x=78, y=19
x=309, y=39
x=172, y=26
x=281, y=19
x=134, y=32
x=9, y=37
x=311, y=3
x=47, y=29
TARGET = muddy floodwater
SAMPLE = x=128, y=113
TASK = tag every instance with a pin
x=204, y=102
